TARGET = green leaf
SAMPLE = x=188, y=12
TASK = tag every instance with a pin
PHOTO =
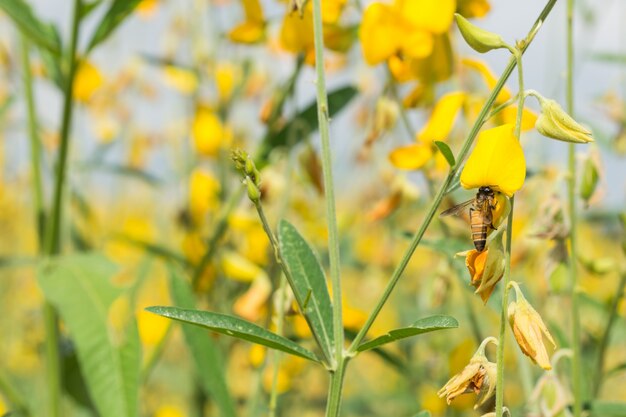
x=117, y=13
x=235, y=327
x=88, y=7
x=608, y=409
x=80, y=287
x=615, y=58
x=446, y=152
x=206, y=355
x=304, y=123
x=308, y=283
x=123, y=171
x=41, y=34
x=424, y=413
x=157, y=250
x=425, y=325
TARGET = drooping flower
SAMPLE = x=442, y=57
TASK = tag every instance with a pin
x=529, y=329
x=479, y=377
x=486, y=268
x=497, y=161
x=252, y=29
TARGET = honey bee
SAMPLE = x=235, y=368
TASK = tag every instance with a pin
x=481, y=215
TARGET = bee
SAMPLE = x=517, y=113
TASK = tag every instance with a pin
x=481, y=215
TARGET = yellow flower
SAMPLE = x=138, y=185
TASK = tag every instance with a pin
x=169, y=410
x=473, y=8
x=203, y=193
x=239, y=268
x=486, y=269
x=529, y=329
x=88, y=80
x=208, y=132
x=147, y=8
x=252, y=29
x=226, y=77
x=252, y=303
x=181, y=79
x=497, y=161
x=406, y=28
x=479, y=376
x=438, y=127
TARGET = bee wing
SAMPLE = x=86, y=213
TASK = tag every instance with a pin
x=487, y=212
x=458, y=209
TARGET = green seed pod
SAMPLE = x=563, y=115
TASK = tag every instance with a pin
x=555, y=123
x=479, y=39
x=589, y=180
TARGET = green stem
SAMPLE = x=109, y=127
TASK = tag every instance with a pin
x=335, y=389
x=331, y=217
x=35, y=143
x=155, y=355
x=571, y=196
x=606, y=336
x=280, y=318
x=441, y=193
x=503, y=318
x=53, y=227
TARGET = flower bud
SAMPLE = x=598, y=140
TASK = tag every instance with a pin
x=486, y=268
x=589, y=180
x=479, y=39
x=479, y=376
x=555, y=123
x=254, y=194
x=528, y=328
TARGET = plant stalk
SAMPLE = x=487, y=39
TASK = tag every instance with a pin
x=571, y=197
x=335, y=389
x=485, y=111
x=329, y=190
x=53, y=225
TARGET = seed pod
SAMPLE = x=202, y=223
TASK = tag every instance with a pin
x=479, y=39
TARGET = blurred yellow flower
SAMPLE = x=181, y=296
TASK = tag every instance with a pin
x=226, y=76
x=473, y=8
x=208, y=132
x=169, y=410
x=406, y=28
x=147, y=8
x=181, y=79
x=497, y=161
x=252, y=29
x=203, y=194
x=239, y=268
x=87, y=81
x=438, y=127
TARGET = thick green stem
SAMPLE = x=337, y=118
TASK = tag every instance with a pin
x=333, y=406
x=485, y=111
x=571, y=196
x=53, y=226
x=329, y=188
x=606, y=336
x=503, y=318
x=280, y=319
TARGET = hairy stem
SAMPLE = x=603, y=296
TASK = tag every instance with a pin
x=329, y=189
x=571, y=197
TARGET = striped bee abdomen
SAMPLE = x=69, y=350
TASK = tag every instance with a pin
x=479, y=229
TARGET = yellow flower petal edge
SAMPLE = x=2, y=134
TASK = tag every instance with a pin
x=413, y=156
x=442, y=118
x=497, y=161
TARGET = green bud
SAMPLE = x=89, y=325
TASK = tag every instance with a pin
x=479, y=39
x=589, y=180
x=254, y=194
x=251, y=171
x=555, y=123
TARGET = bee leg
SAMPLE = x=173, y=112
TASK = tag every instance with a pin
x=493, y=228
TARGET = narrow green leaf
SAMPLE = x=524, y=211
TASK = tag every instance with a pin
x=303, y=124
x=235, y=327
x=446, y=152
x=206, y=355
x=41, y=34
x=123, y=171
x=615, y=58
x=616, y=369
x=88, y=7
x=425, y=325
x=308, y=283
x=608, y=408
x=117, y=13
x=80, y=287
x=157, y=250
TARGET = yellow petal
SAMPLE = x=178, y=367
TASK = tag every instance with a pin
x=473, y=8
x=296, y=33
x=170, y=411
x=497, y=161
x=87, y=81
x=331, y=10
x=247, y=32
x=203, y=193
x=239, y=268
x=488, y=76
x=226, y=76
x=442, y=118
x=417, y=44
x=147, y=8
x=181, y=79
x=207, y=132
x=253, y=10
x=529, y=117
x=380, y=34
x=413, y=156
x=401, y=68
x=433, y=16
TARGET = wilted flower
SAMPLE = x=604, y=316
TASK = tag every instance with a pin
x=497, y=161
x=528, y=328
x=486, y=268
x=555, y=123
x=479, y=376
